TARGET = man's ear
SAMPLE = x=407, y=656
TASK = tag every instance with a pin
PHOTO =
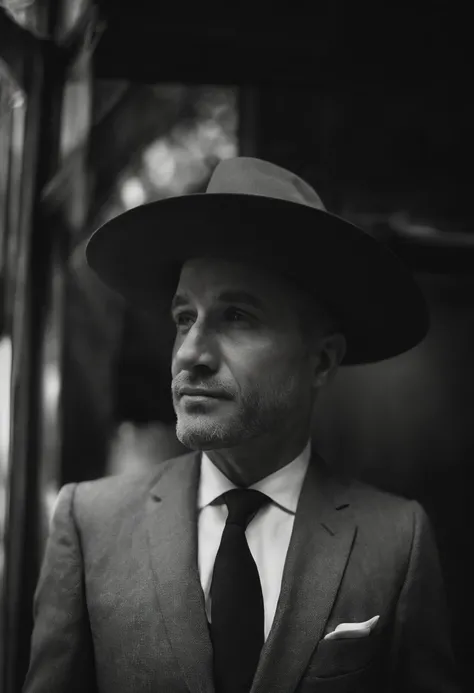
x=331, y=351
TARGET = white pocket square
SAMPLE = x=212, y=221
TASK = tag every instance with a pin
x=352, y=630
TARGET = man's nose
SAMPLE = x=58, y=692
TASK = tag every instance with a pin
x=196, y=348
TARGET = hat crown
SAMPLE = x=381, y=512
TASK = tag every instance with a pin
x=249, y=176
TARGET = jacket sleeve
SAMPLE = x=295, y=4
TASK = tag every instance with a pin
x=62, y=659
x=423, y=657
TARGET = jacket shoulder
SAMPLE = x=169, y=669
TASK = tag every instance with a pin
x=366, y=493
x=387, y=513
x=121, y=493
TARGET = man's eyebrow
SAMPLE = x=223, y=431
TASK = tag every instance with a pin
x=178, y=301
x=229, y=296
x=238, y=296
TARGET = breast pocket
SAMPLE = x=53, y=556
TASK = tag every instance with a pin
x=345, y=656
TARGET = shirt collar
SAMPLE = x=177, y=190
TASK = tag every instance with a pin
x=282, y=486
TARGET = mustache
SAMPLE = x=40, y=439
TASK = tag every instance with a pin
x=183, y=380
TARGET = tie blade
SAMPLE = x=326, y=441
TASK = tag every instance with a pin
x=237, y=609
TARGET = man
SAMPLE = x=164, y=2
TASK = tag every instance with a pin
x=246, y=564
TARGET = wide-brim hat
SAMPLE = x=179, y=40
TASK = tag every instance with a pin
x=254, y=210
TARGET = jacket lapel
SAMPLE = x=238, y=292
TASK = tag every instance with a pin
x=172, y=534
x=320, y=546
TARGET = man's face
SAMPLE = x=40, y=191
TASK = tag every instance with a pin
x=241, y=366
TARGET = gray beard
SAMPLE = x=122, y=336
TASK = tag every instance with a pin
x=261, y=412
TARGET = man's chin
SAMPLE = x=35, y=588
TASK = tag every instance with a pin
x=197, y=440
x=200, y=445
x=204, y=435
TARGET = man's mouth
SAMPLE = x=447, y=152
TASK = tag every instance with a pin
x=202, y=393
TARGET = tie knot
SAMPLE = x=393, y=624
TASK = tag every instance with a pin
x=243, y=504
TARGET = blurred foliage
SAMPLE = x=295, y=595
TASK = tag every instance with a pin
x=151, y=141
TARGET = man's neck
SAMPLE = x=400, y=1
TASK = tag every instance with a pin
x=256, y=459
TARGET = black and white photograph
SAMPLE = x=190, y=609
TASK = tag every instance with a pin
x=236, y=348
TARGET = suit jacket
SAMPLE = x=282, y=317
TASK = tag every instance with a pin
x=119, y=606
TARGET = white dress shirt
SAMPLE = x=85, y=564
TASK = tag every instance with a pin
x=268, y=534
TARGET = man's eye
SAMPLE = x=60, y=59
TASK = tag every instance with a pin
x=236, y=315
x=183, y=319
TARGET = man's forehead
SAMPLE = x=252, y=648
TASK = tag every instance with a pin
x=227, y=279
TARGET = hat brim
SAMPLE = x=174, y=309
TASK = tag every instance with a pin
x=139, y=255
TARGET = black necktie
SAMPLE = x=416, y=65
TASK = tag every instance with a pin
x=237, y=615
